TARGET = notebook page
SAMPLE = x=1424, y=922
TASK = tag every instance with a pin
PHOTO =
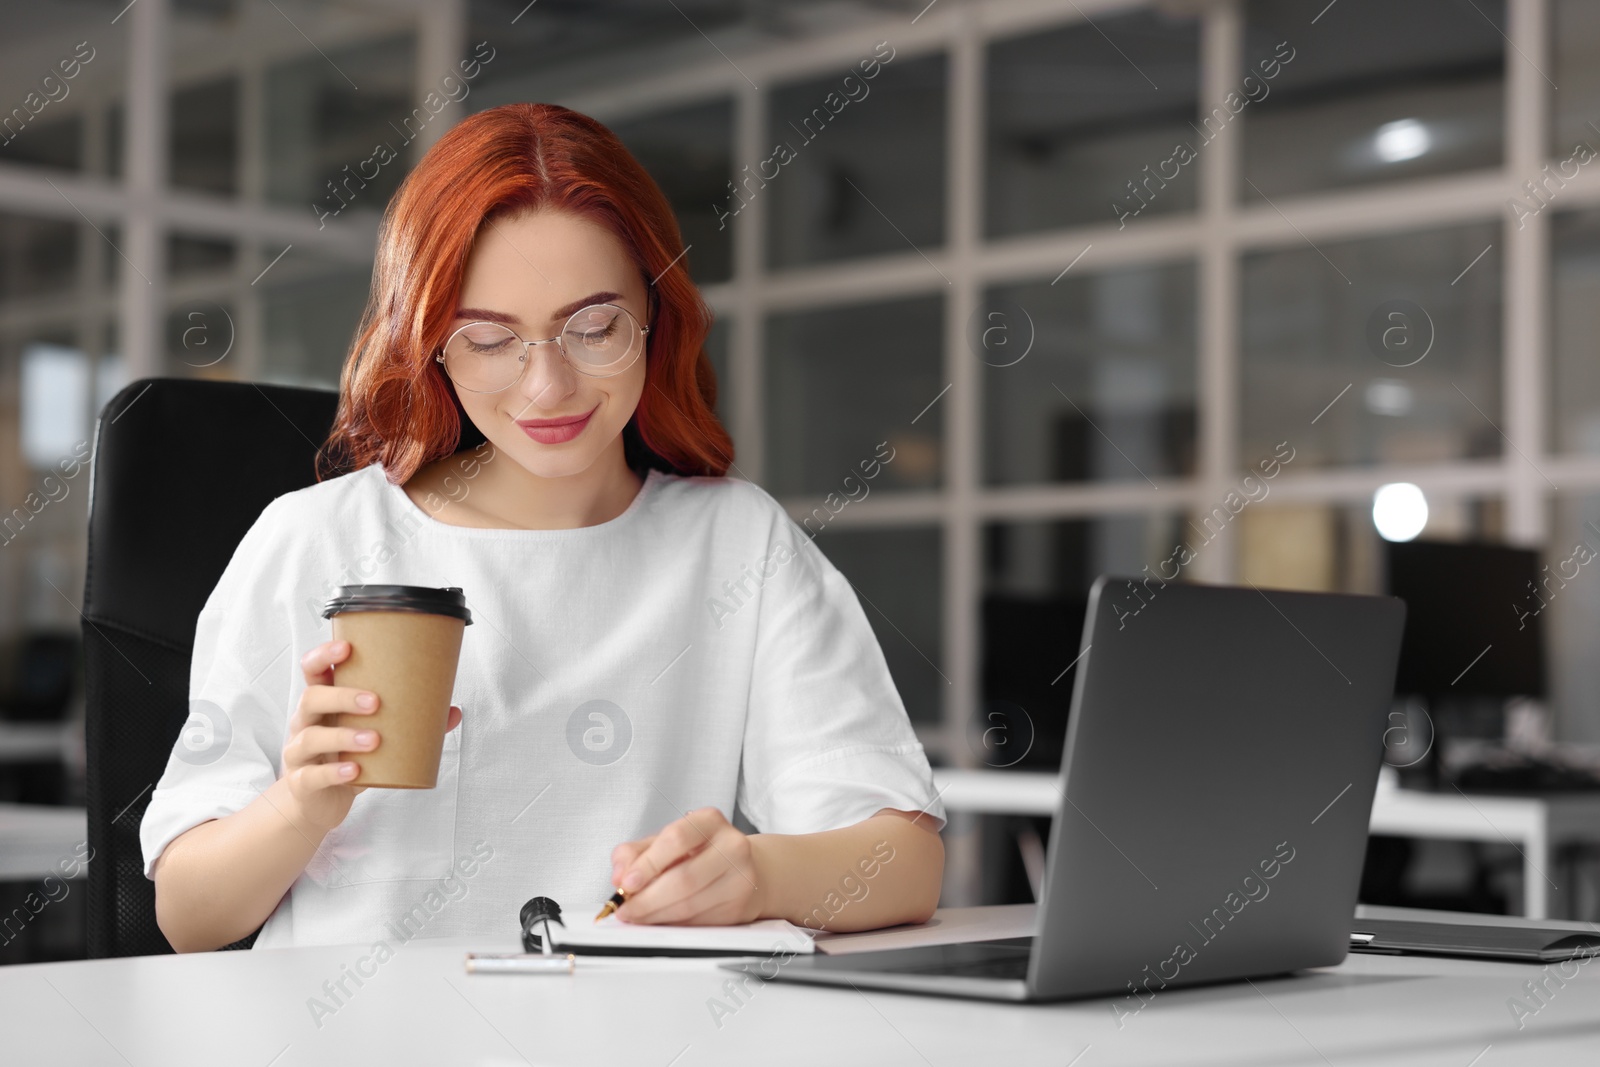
x=762, y=936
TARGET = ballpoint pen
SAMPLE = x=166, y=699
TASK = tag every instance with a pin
x=617, y=900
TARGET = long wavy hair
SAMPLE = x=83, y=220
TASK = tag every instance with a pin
x=397, y=407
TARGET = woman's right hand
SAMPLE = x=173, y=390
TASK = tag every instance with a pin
x=317, y=778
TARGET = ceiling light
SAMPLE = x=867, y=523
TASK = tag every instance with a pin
x=1389, y=396
x=1401, y=140
x=1399, y=511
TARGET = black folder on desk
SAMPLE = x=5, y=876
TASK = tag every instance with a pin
x=1507, y=939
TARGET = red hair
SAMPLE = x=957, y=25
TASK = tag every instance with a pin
x=397, y=407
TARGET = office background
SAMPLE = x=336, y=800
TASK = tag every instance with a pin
x=987, y=255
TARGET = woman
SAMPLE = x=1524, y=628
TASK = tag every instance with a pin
x=653, y=642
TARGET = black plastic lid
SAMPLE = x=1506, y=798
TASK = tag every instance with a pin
x=423, y=599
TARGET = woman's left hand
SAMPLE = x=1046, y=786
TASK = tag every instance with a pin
x=698, y=870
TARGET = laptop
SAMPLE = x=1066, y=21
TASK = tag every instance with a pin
x=1221, y=756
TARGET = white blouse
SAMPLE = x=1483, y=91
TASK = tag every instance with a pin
x=697, y=650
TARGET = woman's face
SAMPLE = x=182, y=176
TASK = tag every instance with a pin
x=532, y=272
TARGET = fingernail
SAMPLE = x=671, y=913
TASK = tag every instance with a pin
x=347, y=770
x=365, y=737
x=633, y=881
x=367, y=700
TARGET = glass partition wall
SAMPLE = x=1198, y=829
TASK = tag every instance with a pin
x=1084, y=267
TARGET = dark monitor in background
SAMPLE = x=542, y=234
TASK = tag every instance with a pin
x=1029, y=645
x=1029, y=648
x=1473, y=627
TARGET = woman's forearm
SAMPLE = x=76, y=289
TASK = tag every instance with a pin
x=882, y=871
x=217, y=882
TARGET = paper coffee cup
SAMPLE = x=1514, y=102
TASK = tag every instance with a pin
x=405, y=643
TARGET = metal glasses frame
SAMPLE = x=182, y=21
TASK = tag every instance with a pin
x=644, y=335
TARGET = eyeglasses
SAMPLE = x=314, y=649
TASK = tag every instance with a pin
x=601, y=340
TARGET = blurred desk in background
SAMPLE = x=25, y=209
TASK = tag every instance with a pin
x=37, y=839
x=26, y=742
x=1535, y=826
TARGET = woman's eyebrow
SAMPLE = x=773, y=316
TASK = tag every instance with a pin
x=561, y=313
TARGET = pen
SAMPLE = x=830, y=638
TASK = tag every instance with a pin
x=519, y=964
x=617, y=900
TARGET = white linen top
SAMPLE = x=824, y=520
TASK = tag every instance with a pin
x=696, y=650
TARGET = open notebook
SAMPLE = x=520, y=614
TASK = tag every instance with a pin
x=612, y=937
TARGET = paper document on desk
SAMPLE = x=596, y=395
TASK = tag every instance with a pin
x=613, y=937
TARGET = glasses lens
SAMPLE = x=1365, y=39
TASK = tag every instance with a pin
x=483, y=357
x=602, y=339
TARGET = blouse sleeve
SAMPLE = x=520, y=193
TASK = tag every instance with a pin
x=827, y=741
x=240, y=676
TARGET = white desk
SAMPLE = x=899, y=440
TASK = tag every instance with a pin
x=1534, y=825
x=249, y=1009
x=26, y=741
x=35, y=839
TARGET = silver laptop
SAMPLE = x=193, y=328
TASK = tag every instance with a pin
x=1221, y=756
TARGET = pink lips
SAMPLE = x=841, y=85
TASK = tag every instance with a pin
x=554, y=431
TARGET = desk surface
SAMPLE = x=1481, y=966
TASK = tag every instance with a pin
x=1474, y=816
x=37, y=840
x=23, y=741
x=419, y=1006
x=1534, y=824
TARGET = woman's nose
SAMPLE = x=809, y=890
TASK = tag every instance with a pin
x=547, y=379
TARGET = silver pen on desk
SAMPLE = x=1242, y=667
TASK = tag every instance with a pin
x=519, y=963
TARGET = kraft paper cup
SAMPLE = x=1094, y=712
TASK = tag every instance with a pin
x=405, y=644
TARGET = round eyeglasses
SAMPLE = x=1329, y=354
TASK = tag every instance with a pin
x=601, y=340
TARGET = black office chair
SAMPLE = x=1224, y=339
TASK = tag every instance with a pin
x=181, y=470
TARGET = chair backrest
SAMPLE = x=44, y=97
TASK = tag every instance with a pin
x=181, y=469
